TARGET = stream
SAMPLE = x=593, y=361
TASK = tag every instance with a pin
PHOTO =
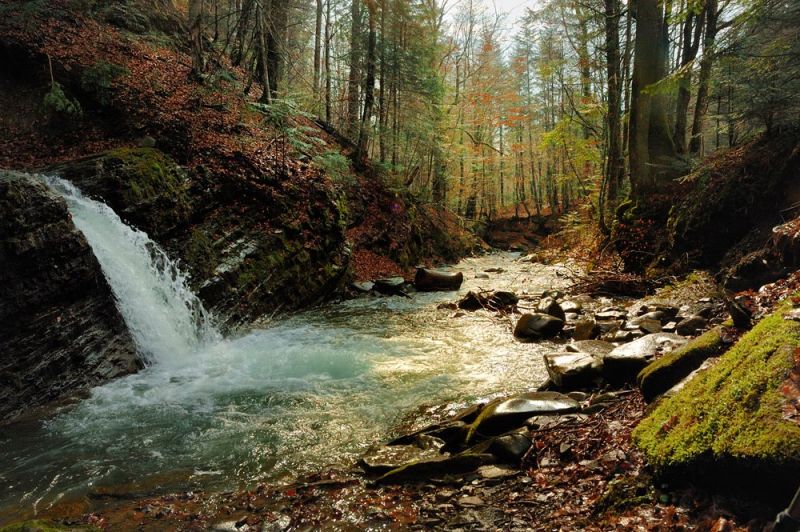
x=306, y=391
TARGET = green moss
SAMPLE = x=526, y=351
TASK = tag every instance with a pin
x=729, y=417
x=150, y=174
x=662, y=374
x=98, y=80
x=200, y=254
x=625, y=492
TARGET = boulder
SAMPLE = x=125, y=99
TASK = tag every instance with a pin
x=504, y=415
x=363, y=286
x=502, y=298
x=649, y=326
x=548, y=305
x=426, y=280
x=691, y=325
x=391, y=286
x=624, y=363
x=569, y=371
x=537, y=326
x=667, y=371
x=473, y=301
x=60, y=330
x=572, y=306
x=610, y=314
x=583, y=329
x=510, y=448
x=727, y=428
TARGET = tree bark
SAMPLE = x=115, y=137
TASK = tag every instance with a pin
x=262, y=53
x=196, y=35
x=354, y=79
x=369, y=83
x=317, y=46
x=692, y=29
x=328, y=102
x=615, y=163
x=701, y=102
x=652, y=152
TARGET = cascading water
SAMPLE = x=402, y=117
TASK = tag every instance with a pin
x=218, y=413
x=166, y=319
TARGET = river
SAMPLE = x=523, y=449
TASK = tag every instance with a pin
x=304, y=392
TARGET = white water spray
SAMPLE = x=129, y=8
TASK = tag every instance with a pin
x=167, y=321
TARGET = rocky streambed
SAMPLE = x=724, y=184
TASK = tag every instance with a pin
x=440, y=410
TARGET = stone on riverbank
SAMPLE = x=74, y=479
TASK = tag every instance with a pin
x=503, y=415
x=426, y=280
x=537, y=326
x=667, y=371
x=570, y=371
x=624, y=363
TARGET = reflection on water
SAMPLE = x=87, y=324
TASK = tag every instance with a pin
x=311, y=390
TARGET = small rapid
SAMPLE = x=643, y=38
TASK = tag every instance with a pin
x=208, y=412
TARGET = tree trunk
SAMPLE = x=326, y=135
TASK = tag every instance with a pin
x=328, y=102
x=701, y=102
x=317, y=49
x=262, y=53
x=615, y=163
x=277, y=24
x=652, y=152
x=196, y=35
x=354, y=79
x=691, y=43
x=369, y=84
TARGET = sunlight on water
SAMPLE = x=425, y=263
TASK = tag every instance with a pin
x=312, y=390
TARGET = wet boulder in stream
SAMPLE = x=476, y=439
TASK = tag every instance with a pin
x=550, y=306
x=538, y=326
x=426, y=280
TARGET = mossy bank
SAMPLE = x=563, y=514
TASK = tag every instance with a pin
x=725, y=429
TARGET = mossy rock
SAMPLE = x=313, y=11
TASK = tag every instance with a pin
x=143, y=185
x=725, y=428
x=667, y=371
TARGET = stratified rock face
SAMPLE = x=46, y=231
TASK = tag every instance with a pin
x=60, y=331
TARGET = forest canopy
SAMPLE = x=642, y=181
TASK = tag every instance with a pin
x=574, y=102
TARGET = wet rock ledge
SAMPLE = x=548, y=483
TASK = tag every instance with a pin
x=60, y=331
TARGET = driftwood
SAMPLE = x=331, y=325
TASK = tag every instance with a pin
x=432, y=281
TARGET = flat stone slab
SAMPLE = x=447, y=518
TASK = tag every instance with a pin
x=511, y=413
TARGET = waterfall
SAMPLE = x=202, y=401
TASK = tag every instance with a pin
x=165, y=318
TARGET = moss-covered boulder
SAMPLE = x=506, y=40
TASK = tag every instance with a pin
x=725, y=428
x=144, y=186
x=667, y=371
